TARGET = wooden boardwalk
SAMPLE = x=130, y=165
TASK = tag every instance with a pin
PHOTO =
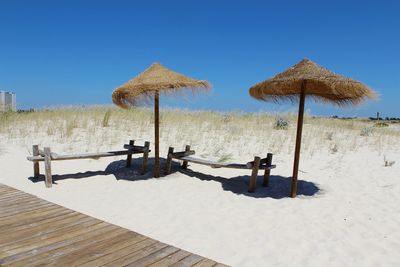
x=36, y=232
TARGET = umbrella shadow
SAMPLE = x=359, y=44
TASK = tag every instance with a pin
x=117, y=168
x=279, y=186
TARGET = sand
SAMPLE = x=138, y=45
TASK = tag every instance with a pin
x=347, y=212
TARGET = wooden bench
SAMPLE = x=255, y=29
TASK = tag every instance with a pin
x=256, y=165
x=47, y=156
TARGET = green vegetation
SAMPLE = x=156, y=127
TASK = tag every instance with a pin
x=281, y=123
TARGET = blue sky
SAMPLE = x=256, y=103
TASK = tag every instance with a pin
x=76, y=52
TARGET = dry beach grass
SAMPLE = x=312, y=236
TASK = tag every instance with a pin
x=210, y=133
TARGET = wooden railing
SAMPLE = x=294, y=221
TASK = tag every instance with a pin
x=255, y=165
x=47, y=156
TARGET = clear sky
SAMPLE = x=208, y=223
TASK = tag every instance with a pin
x=76, y=52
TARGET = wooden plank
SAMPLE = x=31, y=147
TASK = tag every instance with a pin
x=137, y=255
x=104, y=253
x=88, y=155
x=180, y=155
x=267, y=173
x=47, y=167
x=154, y=257
x=10, y=193
x=15, y=204
x=46, y=254
x=18, y=198
x=120, y=253
x=129, y=157
x=171, y=259
x=264, y=161
x=18, y=209
x=222, y=165
x=4, y=191
x=21, y=198
x=23, y=216
x=99, y=249
x=36, y=170
x=14, y=198
x=137, y=149
x=209, y=163
x=53, y=237
x=214, y=164
x=205, y=263
x=43, y=154
x=21, y=221
x=37, y=224
x=188, y=261
x=10, y=214
x=168, y=164
x=145, y=157
x=97, y=155
x=187, y=153
x=3, y=186
x=254, y=174
x=48, y=237
x=30, y=216
x=46, y=228
x=7, y=188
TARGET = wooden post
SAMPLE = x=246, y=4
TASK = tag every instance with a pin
x=168, y=165
x=36, y=170
x=298, y=140
x=156, y=135
x=47, y=166
x=254, y=173
x=267, y=172
x=145, y=157
x=185, y=163
x=129, y=157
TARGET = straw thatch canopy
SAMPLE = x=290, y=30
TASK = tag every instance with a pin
x=318, y=83
x=156, y=78
x=307, y=79
x=148, y=85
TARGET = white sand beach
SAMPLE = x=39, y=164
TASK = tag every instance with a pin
x=347, y=212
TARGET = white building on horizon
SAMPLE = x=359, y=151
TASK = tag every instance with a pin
x=8, y=101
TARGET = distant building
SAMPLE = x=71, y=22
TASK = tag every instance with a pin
x=8, y=101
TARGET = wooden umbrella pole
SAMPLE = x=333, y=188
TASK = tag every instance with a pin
x=298, y=141
x=156, y=135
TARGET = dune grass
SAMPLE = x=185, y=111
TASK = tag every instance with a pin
x=222, y=136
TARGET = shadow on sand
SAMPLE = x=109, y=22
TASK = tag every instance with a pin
x=279, y=186
x=118, y=169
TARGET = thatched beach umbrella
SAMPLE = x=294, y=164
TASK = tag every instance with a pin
x=147, y=86
x=309, y=79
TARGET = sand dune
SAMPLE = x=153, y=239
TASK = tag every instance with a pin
x=347, y=212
